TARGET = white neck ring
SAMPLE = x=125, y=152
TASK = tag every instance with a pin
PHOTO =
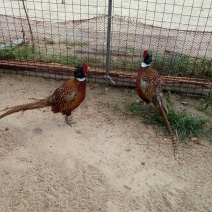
x=81, y=79
x=145, y=65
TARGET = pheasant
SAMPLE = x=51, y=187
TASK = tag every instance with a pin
x=64, y=99
x=149, y=88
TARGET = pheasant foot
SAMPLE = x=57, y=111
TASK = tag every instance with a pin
x=69, y=120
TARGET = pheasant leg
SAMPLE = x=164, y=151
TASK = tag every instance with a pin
x=69, y=120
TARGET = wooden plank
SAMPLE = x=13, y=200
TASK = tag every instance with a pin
x=119, y=76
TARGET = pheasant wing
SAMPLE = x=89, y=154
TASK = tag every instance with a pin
x=62, y=96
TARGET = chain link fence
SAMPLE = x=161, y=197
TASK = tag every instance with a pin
x=49, y=38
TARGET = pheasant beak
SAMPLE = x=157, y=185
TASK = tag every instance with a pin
x=86, y=69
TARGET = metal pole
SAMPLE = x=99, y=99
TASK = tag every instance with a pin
x=108, y=42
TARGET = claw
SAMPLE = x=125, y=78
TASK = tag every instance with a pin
x=69, y=120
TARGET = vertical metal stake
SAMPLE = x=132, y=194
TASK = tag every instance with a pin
x=108, y=42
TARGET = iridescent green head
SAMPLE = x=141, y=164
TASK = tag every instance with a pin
x=147, y=56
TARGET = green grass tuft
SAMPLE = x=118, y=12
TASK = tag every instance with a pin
x=74, y=42
x=134, y=107
x=131, y=49
x=173, y=63
x=49, y=41
x=184, y=125
x=23, y=52
x=205, y=102
x=114, y=106
x=181, y=65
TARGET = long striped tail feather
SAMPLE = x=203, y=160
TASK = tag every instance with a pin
x=160, y=102
x=29, y=106
x=169, y=129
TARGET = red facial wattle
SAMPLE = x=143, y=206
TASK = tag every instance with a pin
x=145, y=54
x=85, y=68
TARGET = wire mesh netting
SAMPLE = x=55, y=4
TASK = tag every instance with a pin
x=51, y=37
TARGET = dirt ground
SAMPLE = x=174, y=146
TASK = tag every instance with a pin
x=106, y=161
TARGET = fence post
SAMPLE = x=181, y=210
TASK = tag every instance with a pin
x=108, y=42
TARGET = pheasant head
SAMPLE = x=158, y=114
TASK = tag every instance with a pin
x=147, y=57
x=80, y=72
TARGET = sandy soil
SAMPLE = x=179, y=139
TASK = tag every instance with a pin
x=106, y=161
x=181, y=14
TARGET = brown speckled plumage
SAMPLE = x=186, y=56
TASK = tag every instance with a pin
x=64, y=100
x=149, y=88
x=68, y=96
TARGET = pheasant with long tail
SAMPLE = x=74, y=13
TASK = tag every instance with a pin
x=64, y=100
x=149, y=88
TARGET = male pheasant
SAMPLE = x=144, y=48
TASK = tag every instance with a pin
x=149, y=88
x=64, y=99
